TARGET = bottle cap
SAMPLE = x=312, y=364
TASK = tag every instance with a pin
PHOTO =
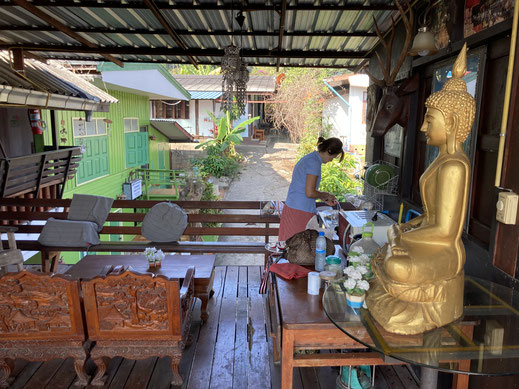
x=333, y=260
x=321, y=233
x=327, y=275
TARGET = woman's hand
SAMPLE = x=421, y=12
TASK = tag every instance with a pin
x=329, y=199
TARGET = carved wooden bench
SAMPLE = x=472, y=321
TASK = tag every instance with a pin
x=137, y=316
x=40, y=320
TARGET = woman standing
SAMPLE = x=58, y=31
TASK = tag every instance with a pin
x=300, y=203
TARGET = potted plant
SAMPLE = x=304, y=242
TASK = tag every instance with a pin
x=356, y=286
x=357, y=257
x=154, y=257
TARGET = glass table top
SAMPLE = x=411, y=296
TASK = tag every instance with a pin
x=485, y=340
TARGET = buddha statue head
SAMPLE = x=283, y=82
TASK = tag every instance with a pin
x=456, y=105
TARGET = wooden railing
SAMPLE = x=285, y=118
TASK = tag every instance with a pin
x=161, y=184
x=30, y=173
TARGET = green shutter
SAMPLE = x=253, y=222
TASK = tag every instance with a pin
x=94, y=161
x=136, y=144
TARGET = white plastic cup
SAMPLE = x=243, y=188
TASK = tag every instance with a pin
x=314, y=283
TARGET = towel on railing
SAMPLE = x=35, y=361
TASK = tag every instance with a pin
x=68, y=233
x=164, y=222
x=90, y=208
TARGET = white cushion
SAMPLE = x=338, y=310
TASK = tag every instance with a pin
x=90, y=208
x=164, y=222
x=68, y=233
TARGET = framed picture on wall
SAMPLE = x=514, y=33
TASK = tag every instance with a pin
x=474, y=78
x=482, y=14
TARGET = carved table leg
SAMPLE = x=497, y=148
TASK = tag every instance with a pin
x=82, y=376
x=101, y=369
x=5, y=369
x=177, y=379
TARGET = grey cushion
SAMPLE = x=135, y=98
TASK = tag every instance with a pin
x=90, y=208
x=68, y=233
x=165, y=222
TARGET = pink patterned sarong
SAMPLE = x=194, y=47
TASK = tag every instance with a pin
x=292, y=222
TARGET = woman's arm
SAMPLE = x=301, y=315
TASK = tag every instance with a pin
x=312, y=193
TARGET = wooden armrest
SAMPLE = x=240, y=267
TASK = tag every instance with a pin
x=188, y=280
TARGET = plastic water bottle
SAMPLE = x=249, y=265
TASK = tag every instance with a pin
x=320, y=252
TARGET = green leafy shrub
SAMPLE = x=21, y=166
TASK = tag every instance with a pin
x=209, y=195
x=216, y=164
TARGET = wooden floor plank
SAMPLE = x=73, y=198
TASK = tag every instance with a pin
x=405, y=376
x=64, y=376
x=327, y=376
x=380, y=381
x=122, y=374
x=141, y=373
x=200, y=376
x=25, y=375
x=110, y=373
x=44, y=374
x=19, y=365
x=161, y=377
x=223, y=363
x=390, y=376
x=259, y=372
x=241, y=367
x=188, y=354
x=274, y=368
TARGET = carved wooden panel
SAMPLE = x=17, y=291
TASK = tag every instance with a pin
x=40, y=306
x=131, y=304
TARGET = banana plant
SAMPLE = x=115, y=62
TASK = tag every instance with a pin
x=226, y=137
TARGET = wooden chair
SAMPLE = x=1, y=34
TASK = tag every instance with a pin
x=10, y=255
x=258, y=133
x=40, y=320
x=137, y=316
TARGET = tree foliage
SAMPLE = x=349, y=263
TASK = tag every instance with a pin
x=298, y=105
x=203, y=70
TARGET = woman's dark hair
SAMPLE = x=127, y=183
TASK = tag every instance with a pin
x=332, y=145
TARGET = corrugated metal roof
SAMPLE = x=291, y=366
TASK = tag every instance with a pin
x=172, y=130
x=195, y=95
x=51, y=80
x=202, y=83
x=316, y=33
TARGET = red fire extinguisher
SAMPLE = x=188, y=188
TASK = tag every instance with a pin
x=37, y=124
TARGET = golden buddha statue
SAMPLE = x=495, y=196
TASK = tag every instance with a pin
x=419, y=273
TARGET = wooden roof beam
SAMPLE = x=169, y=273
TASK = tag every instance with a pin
x=214, y=6
x=281, y=30
x=63, y=28
x=162, y=20
x=263, y=53
x=107, y=30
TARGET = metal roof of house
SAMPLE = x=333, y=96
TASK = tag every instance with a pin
x=195, y=95
x=309, y=33
x=48, y=85
x=172, y=130
x=202, y=83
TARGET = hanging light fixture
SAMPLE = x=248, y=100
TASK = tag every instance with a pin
x=235, y=75
x=424, y=42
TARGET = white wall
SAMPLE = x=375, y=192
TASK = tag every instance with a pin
x=346, y=122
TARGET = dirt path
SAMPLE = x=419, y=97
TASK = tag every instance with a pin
x=265, y=176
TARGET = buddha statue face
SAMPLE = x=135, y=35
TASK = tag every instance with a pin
x=434, y=127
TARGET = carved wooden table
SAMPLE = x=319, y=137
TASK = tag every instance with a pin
x=173, y=266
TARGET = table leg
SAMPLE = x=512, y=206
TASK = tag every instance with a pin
x=287, y=359
x=428, y=378
x=204, y=298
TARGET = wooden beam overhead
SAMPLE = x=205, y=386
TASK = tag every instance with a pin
x=196, y=6
x=18, y=63
x=196, y=52
x=127, y=31
x=171, y=32
x=63, y=28
x=281, y=30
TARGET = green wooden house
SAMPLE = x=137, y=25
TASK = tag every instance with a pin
x=116, y=142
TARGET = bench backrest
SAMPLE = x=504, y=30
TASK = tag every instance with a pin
x=202, y=216
x=39, y=306
x=131, y=305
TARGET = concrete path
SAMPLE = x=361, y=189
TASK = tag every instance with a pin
x=265, y=176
